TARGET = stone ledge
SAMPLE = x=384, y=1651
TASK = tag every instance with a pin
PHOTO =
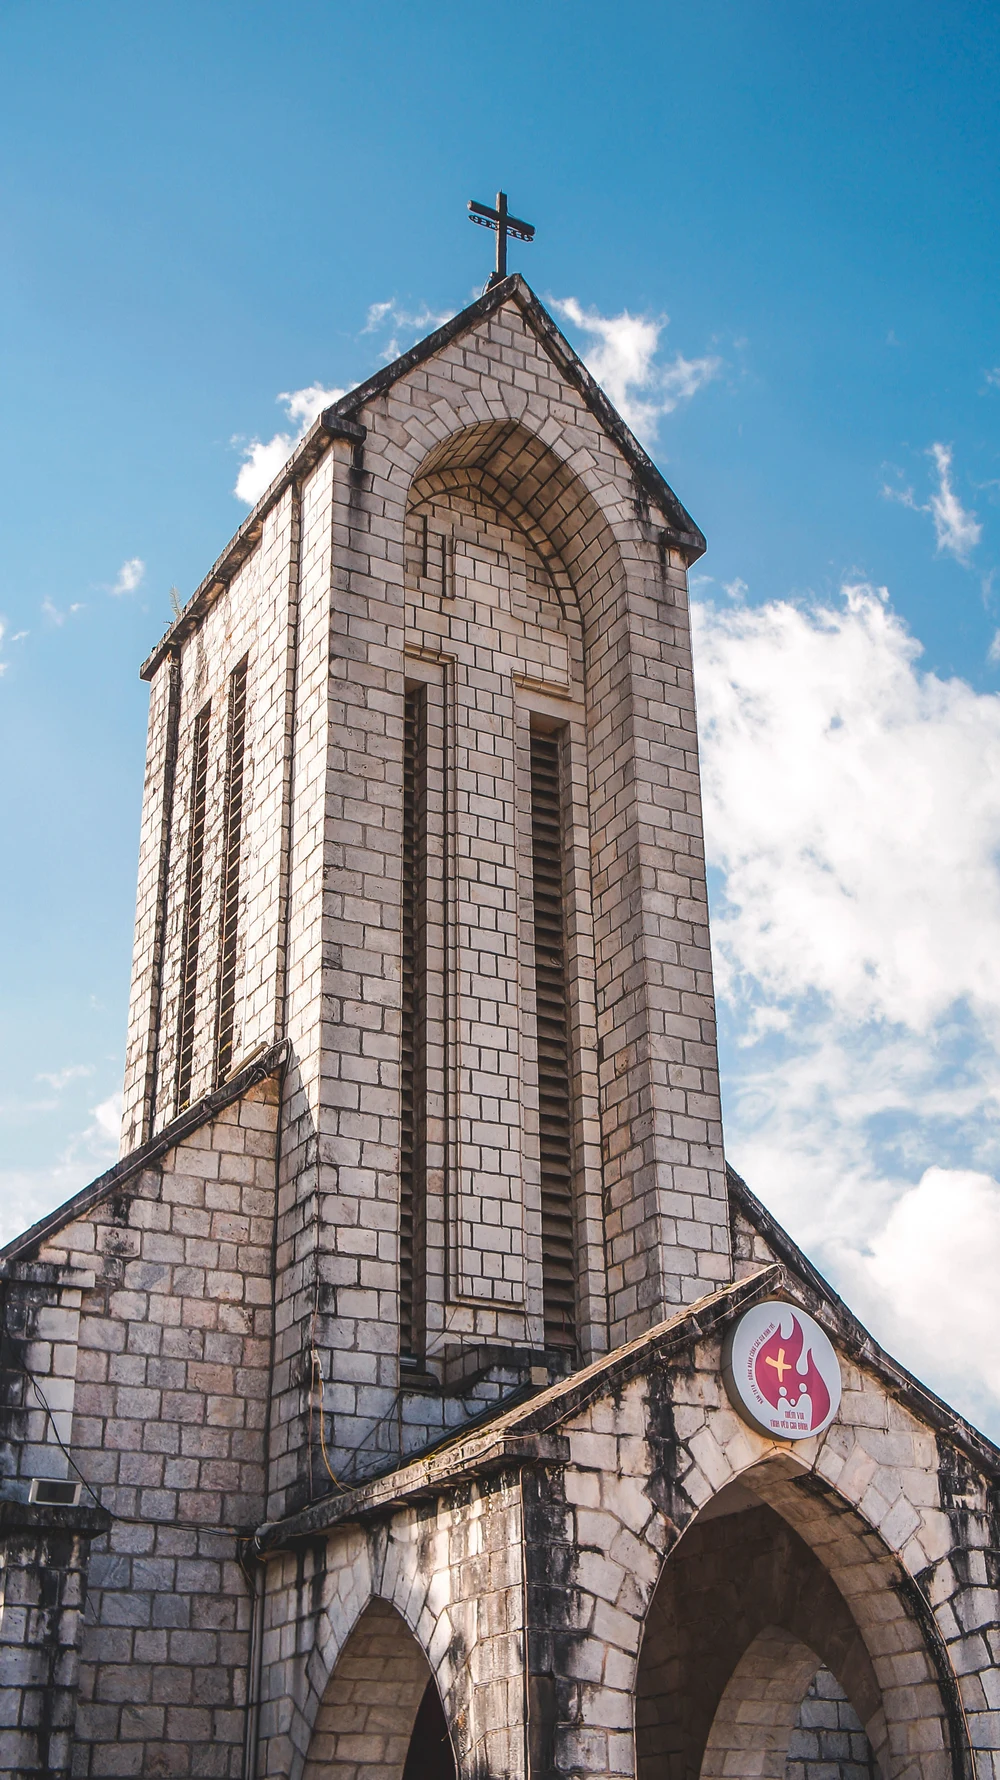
x=413, y=1483
x=524, y=1435
x=86, y=1518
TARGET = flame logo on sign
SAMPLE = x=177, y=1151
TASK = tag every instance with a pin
x=785, y=1372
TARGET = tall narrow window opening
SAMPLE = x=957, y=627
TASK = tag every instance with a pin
x=192, y=908
x=413, y=1078
x=552, y=1020
x=232, y=847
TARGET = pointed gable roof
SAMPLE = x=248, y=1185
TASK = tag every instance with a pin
x=342, y=421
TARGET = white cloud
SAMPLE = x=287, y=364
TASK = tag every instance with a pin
x=264, y=459
x=993, y=376
x=58, y=1078
x=929, y=1277
x=55, y=615
x=377, y=313
x=28, y=1194
x=852, y=807
x=623, y=359
x=405, y=326
x=107, y=1124
x=956, y=527
x=129, y=576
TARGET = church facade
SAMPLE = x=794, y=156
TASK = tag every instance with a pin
x=376, y=1417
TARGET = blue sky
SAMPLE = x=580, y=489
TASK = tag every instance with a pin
x=772, y=230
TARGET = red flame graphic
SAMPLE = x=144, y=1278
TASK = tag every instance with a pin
x=777, y=1365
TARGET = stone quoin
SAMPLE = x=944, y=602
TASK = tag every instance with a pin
x=369, y=1418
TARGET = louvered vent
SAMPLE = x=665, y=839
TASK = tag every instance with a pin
x=412, y=1083
x=192, y=908
x=554, y=1092
x=232, y=847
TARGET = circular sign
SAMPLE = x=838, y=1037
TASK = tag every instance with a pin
x=781, y=1373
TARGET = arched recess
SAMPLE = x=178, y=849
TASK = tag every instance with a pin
x=516, y=471
x=759, y=1712
x=508, y=558
x=787, y=1558
x=381, y=1713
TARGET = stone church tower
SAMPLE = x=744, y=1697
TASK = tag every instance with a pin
x=375, y=1416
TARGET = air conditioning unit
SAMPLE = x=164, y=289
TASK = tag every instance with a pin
x=50, y=1492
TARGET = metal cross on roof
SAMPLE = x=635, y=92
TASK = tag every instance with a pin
x=504, y=225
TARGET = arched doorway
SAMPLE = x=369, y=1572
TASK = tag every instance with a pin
x=381, y=1712
x=774, y=1621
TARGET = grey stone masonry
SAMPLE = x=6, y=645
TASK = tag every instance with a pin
x=622, y=1579
x=829, y=1741
x=476, y=519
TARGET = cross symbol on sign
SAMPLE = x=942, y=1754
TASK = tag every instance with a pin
x=504, y=225
x=781, y=1365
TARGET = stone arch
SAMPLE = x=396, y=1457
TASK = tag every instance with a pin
x=779, y=1549
x=380, y=1707
x=756, y=1718
x=545, y=497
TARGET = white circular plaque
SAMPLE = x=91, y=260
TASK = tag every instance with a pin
x=781, y=1373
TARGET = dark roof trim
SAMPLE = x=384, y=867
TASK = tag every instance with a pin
x=683, y=531
x=257, y=1070
x=340, y=422
x=526, y=1434
x=841, y=1323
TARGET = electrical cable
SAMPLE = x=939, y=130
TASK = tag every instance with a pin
x=131, y=1520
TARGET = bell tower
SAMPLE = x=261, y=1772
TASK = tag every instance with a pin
x=422, y=808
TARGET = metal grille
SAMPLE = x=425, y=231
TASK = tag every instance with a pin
x=192, y=908
x=414, y=988
x=552, y=1017
x=233, y=842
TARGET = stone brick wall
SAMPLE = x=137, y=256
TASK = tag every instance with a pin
x=448, y=1575
x=168, y=1430
x=657, y=1557
x=253, y=617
